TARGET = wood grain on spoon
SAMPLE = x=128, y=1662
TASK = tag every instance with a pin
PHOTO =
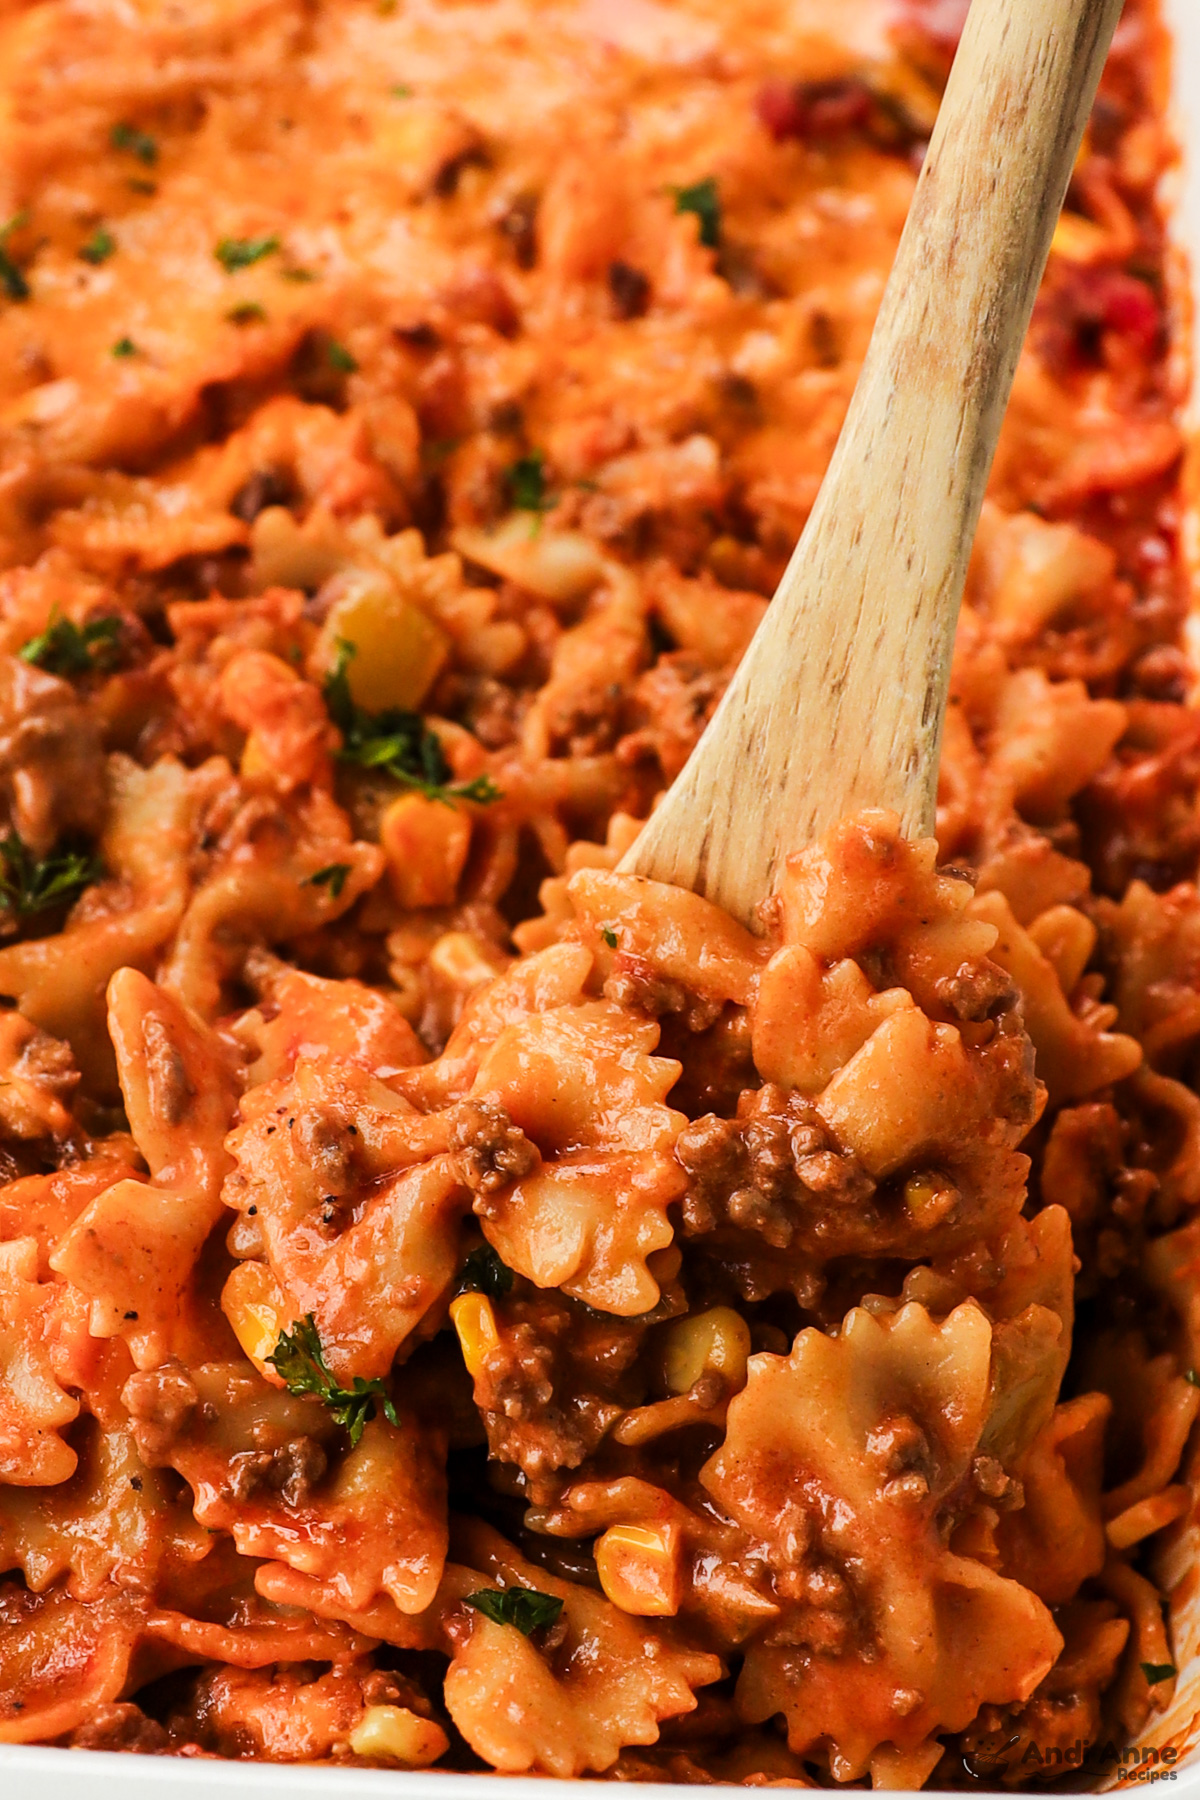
x=839, y=701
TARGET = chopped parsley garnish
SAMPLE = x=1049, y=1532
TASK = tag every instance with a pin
x=340, y=358
x=242, y=253
x=523, y=1607
x=12, y=279
x=333, y=876
x=299, y=1358
x=124, y=347
x=484, y=1273
x=1191, y=1375
x=99, y=247
x=138, y=143
x=65, y=648
x=1156, y=1672
x=397, y=742
x=609, y=936
x=299, y=275
x=248, y=313
x=30, y=884
x=400, y=90
x=702, y=199
x=526, y=484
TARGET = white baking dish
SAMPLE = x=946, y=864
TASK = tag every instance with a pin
x=32, y=1773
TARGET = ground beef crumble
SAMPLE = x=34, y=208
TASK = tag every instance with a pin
x=292, y=1470
x=556, y=1382
x=774, y=1170
x=491, y=1150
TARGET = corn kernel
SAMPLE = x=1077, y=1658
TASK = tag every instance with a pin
x=256, y=1309
x=394, y=1734
x=426, y=844
x=638, y=1568
x=475, y=1323
x=1079, y=240
x=259, y=1332
x=399, y=649
x=920, y=1192
x=717, y=1340
x=255, y=764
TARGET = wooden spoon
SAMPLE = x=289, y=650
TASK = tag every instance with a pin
x=838, y=703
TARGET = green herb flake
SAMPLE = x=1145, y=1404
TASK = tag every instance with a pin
x=12, y=279
x=400, y=90
x=702, y=199
x=397, y=742
x=124, y=346
x=1156, y=1672
x=340, y=358
x=65, y=648
x=526, y=484
x=484, y=1273
x=1192, y=1376
x=248, y=313
x=243, y=253
x=523, y=1607
x=99, y=247
x=333, y=876
x=299, y=1358
x=609, y=936
x=138, y=143
x=31, y=884
x=138, y=185
x=299, y=275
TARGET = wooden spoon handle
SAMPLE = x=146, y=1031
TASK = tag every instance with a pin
x=839, y=701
